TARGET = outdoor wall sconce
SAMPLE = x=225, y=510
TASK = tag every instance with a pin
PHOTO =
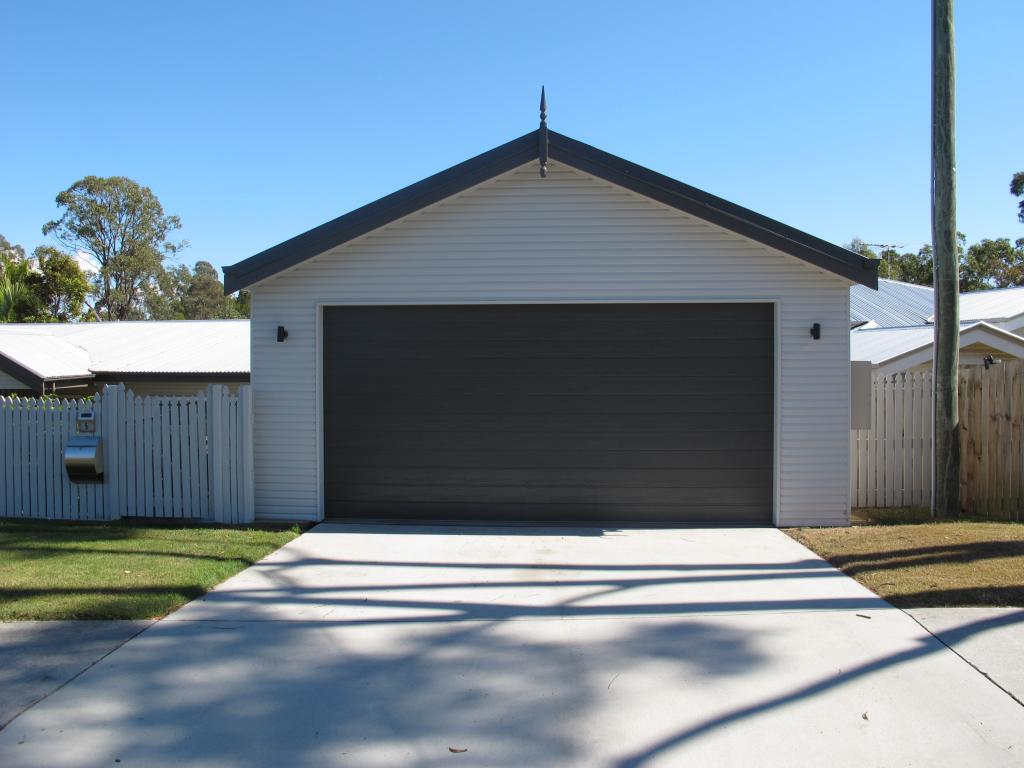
x=816, y=331
x=282, y=333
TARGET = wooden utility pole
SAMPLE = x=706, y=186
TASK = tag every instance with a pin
x=946, y=475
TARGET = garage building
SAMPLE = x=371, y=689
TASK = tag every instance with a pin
x=549, y=332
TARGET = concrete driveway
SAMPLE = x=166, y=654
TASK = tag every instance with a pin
x=394, y=646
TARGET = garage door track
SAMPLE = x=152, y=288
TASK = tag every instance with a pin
x=485, y=646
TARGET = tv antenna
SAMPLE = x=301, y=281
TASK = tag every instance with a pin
x=885, y=248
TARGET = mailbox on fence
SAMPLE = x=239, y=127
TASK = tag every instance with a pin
x=83, y=453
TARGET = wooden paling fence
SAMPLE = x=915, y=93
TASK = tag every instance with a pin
x=891, y=463
x=169, y=457
x=991, y=419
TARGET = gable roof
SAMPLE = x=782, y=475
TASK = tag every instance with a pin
x=913, y=345
x=173, y=349
x=893, y=304
x=573, y=153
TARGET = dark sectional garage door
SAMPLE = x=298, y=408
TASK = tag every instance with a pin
x=615, y=412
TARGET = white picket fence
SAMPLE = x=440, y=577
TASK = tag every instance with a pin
x=167, y=457
x=891, y=463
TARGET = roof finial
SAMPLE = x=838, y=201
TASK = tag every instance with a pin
x=542, y=135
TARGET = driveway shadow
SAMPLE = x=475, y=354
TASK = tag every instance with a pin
x=385, y=660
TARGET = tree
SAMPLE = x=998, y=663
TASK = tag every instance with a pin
x=988, y=264
x=59, y=284
x=240, y=305
x=9, y=252
x=18, y=303
x=204, y=298
x=197, y=294
x=13, y=295
x=993, y=264
x=1017, y=190
x=122, y=227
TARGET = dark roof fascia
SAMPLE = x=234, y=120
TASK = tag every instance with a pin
x=713, y=209
x=242, y=378
x=574, y=153
x=402, y=203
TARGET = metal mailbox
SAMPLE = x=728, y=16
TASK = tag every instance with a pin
x=83, y=459
x=83, y=453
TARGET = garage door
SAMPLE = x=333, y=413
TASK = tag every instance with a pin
x=615, y=412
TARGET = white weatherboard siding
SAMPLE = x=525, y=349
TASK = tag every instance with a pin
x=522, y=239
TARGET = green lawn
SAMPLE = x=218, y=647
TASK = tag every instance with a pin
x=931, y=564
x=68, y=570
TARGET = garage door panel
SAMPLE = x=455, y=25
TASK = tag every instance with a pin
x=556, y=322
x=540, y=477
x=356, y=381
x=560, y=494
x=538, y=350
x=699, y=459
x=466, y=404
x=544, y=440
x=630, y=412
x=739, y=514
x=573, y=368
x=718, y=420
x=624, y=331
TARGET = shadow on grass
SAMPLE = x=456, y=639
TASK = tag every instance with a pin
x=968, y=552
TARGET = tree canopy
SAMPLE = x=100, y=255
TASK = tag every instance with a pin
x=196, y=294
x=1017, y=190
x=995, y=263
x=59, y=284
x=122, y=227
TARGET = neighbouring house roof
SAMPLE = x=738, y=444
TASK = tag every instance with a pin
x=173, y=349
x=913, y=345
x=893, y=305
x=575, y=154
x=899, y=305
x=995, y=305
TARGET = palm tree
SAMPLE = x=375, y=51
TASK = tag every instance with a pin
x=13, y=292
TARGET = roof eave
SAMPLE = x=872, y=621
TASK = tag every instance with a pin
x=218, y=376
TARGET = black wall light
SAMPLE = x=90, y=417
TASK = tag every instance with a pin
x=282, y=333
x=816, y=331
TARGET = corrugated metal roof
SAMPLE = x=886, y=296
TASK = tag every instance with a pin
x=993, y=305
x=44, y=355
x=893, y=305
x=880, y=345
x=158, y=347
x=900, y=305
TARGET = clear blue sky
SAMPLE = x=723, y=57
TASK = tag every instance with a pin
x=255, y=121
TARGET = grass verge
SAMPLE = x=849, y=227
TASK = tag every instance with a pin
x=935, y=564
x=69, y=570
